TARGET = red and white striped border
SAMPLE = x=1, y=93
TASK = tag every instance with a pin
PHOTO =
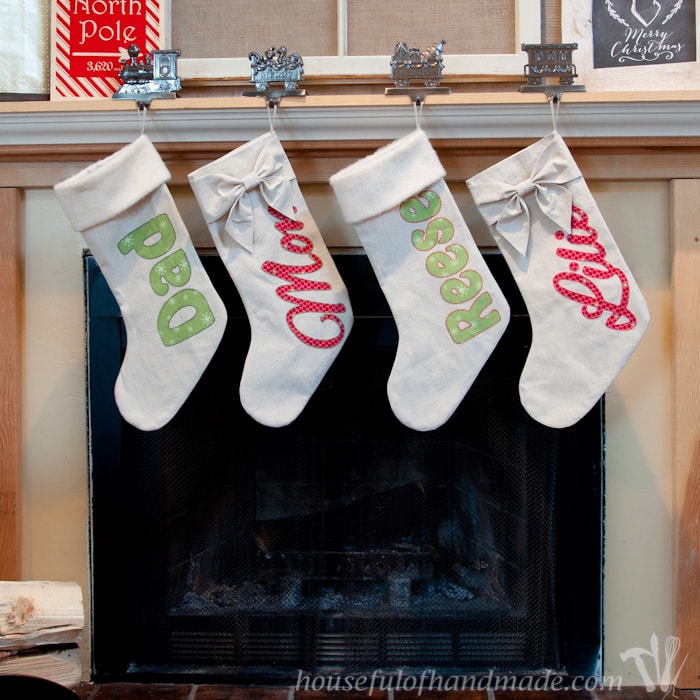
x=66, y=86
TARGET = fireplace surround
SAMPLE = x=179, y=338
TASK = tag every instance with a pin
x=346, y=542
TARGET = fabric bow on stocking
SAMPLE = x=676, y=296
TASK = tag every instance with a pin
x=223, y=194
x=505, y=203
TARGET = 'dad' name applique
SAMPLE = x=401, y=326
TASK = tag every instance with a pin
x=186, y=312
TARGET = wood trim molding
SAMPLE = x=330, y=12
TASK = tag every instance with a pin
x=11, y=262
x=466, y=116
x=685, y=213
x=31, y=166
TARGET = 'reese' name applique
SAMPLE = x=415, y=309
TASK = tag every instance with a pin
x=153, y=240
x=461, y=284
x=294, y=242
x=587, y=266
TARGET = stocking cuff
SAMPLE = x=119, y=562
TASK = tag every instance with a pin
x=386, y=178
x=110, y=186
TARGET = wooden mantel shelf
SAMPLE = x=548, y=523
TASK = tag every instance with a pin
x=614, y=135
x=340, y=118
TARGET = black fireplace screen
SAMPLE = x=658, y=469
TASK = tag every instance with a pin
x=223, y=549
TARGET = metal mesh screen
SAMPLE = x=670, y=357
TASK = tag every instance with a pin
x=346, y=540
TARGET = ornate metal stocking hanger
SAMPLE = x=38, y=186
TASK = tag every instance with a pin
x=275, y=66
x=546, y=64
x=153, y=77
x=550, y=69
x=412, y=64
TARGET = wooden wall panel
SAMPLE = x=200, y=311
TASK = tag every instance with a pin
x=685, y=201
x=10, y=381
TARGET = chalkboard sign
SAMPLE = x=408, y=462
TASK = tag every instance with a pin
x=643, y=32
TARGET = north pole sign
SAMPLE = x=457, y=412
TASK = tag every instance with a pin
x=90, y=37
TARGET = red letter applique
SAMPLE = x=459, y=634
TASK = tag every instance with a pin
x=594, y=267
x=302, y=245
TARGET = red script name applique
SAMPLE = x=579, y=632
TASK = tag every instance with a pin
x=302, y=245
x=585, y=267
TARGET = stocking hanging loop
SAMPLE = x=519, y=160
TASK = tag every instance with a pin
x=272, y=105
x=554, y=99
x=418, y=111
x=142, y=113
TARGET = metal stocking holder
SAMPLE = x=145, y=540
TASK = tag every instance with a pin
x=548, y=63
x=275, y=66
x=412, y=64
x=550, y=69
x=150, y=78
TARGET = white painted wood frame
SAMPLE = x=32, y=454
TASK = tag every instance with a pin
x=527, y=30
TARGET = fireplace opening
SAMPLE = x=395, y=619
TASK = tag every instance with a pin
x=223, y=550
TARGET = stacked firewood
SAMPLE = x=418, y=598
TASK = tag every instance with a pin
x=41, y=626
